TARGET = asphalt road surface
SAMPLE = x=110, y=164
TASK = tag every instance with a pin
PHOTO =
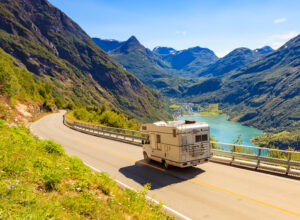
x=208, y=191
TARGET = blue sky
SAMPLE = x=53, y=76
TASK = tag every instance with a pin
x=221, y=25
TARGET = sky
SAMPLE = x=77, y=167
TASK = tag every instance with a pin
x=220, y=25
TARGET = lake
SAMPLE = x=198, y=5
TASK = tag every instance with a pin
x=227, y=131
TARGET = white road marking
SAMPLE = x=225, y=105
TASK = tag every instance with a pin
x=148, y=197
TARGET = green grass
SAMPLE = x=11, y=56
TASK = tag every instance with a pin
x=39, y=181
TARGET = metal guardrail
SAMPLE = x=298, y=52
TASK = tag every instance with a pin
x=256, y=157
x=124, y=135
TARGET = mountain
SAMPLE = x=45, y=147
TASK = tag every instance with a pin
x=264, y=51
x=189, y=62
x=264, y=94
x=53, y=47
x=164, y=50
x=107, y=44
x=148, y=67
x=234, y=60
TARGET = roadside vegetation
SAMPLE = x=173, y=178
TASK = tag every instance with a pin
x=103, y=116
x=283, y=140
x=39, y=181
x=273, y=154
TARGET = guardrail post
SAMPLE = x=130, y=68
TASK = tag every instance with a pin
x=233, y=150
x=133, y=136
x=288, y=165
x=258, y=159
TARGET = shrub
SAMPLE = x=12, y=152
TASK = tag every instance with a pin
x=78, y=166
x=51, y=180
x=105, y=117
x=51, y=147
x=41, y=163
x=59, y=103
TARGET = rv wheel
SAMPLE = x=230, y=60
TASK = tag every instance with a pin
x=146, y=158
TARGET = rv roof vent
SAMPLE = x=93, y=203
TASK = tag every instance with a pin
x=190, y=122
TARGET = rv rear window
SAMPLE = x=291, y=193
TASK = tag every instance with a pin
x=198, y=138
x=158, y=138
x=204, y=137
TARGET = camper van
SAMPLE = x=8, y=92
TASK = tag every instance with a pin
x=177, y=143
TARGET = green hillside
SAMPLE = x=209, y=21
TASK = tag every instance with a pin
x=39, y=181
x=264, y=94
x=18, y=85
x=54, y=48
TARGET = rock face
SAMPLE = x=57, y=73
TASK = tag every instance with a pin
x=264, y=93
x=234, y=60
x=57, y=50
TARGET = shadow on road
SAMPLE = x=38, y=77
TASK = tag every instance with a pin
x=144, y=174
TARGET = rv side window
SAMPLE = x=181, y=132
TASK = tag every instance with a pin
x=158, y=139
x=198, y=138
x=174, y=132
x=204, y=137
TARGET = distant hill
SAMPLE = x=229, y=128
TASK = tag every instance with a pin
x=107, y=44
x=234, y=60
x=264, y=93
x=53, y=47
x=148, y=67
x=189, y=62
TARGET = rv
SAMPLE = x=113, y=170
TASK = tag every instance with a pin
x=177, y=143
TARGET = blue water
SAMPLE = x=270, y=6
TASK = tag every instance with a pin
x=227, y=131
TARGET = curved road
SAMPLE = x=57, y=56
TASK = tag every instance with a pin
x=209, y=191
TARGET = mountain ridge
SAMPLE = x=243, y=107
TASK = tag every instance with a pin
x=147, y=67
x=188, y=62
x=237, y=58
x=265, y=93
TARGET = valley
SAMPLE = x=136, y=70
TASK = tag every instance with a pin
x=61, y=80
x=258, y=88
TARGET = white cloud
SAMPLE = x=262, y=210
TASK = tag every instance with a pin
x=280, y=20
x=278, y=40
x=277, y=44
x=286, y=36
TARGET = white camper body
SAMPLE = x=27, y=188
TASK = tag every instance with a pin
x=177, y=143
